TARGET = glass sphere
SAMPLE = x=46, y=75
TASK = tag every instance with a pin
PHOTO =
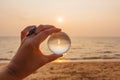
x=59, y=43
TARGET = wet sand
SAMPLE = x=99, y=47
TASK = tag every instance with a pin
x=78, y=71
x=90, y=70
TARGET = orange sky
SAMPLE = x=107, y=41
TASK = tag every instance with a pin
x=80, y=17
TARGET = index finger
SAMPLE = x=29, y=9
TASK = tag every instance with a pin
x=44, y=34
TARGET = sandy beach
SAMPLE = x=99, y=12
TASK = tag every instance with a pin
x=91, y=70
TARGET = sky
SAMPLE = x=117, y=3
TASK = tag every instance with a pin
x=79, y=17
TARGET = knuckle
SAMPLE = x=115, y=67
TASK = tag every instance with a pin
x=22, y=32
x=41, y=26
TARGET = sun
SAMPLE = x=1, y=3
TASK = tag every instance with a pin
x=59, y=19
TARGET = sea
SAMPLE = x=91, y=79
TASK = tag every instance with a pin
x=82, y=48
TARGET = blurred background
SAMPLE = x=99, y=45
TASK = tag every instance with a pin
x=93, y=25
x=80, y=17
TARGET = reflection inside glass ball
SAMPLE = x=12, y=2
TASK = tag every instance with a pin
x=59, y=43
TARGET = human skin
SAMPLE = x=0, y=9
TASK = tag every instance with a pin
x=29, y=57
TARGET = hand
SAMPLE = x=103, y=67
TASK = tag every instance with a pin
x=29, y=57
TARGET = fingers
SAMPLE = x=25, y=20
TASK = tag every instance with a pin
x=42, y=28
x=41, y=36
x=25, y=31
x=53, y=57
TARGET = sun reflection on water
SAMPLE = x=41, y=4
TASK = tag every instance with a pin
x=61, y=61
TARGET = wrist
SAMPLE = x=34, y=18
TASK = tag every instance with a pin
x=11, y=71
x=7, y=74
x=17, y=70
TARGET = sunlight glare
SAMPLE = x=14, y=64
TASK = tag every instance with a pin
x=60, y=19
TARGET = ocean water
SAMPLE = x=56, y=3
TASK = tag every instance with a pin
x=88, y=48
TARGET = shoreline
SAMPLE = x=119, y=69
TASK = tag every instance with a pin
x=89, y=60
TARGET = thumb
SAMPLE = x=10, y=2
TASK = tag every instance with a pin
x=53, y=57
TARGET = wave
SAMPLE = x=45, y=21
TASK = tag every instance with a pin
x=90, y=58
x=4, y=59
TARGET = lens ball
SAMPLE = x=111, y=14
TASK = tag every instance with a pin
x=59, y=43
